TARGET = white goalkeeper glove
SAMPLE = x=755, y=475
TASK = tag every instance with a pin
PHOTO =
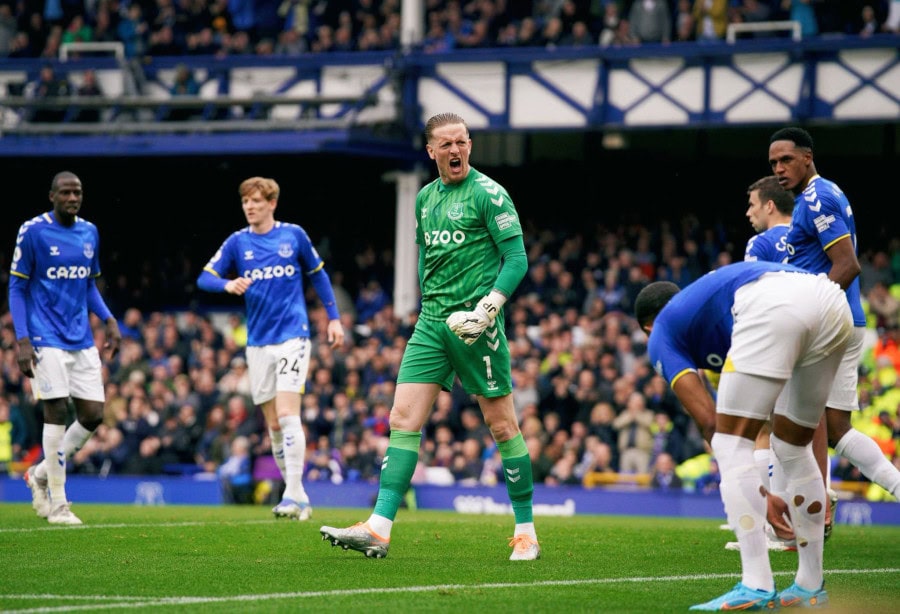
x=468, y=325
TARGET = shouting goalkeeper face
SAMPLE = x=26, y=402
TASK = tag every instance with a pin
x=449, y=146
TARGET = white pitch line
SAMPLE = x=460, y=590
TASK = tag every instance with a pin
x=143, y=602
x=121, y=525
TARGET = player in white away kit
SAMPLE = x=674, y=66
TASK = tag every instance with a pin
x=52, y=292
x=265, y=263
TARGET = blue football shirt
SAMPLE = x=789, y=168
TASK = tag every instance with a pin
x=276, y=262
x=57, y=263
x=693, y=331
x=768, y=246
x=822, y=216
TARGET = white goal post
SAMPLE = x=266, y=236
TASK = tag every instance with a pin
x=763, y=26
x=115, y=49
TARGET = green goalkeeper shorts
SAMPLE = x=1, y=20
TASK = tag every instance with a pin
x=434, y=355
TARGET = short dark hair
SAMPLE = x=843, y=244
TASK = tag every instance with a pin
x=652, y=299
x=770, y=189
x=60, y=176
x=799, y=136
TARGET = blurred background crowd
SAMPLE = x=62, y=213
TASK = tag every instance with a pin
x=591, y=408
x=154, y=28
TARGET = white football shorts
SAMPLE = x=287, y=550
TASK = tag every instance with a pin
x=844, y=394
x=281, y=367
x=63, y=373
x=785, y=320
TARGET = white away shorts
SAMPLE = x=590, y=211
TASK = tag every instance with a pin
x=63, y=373
x=282, y=367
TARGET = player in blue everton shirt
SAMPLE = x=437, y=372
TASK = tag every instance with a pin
x=52, y=292
x=759, y=324
x=822, y=239
x=265, y=263
x=769, y=209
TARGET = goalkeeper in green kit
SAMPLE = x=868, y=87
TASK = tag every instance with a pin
x=471, y=259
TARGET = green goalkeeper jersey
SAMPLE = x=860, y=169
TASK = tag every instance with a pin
x=459, y=227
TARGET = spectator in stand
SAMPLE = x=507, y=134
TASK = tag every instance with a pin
x=875, y=266
x=50, y=86
x=37, y=30
x=579, y=36
x=563, y=471
x=183, y=84
x=666, y=439
x=709, y=481
x=102, y=454
x=650, y=21
x=609, y=23
x=203, y=42
x=597, y=457
x=12, y=434
x=508, y=35
x=552, y=33
x=237, y=379
x=846, y=471
x=132, y=324
x=180, y=439
x=529, y=33
x=476, y=35
x=601, y=426
x=755, y=11
x=162, y=43
x=883, y=305
x=290, y=42
x=560, y=401
x=9, y=27
x=236, y=473
x=802, y=11
x=635, y=436
x=134, y=32
x=541, y=464
x=21, y=47
x=710, y=19
x=662, y=475
x=887, y=347
x=212, y=450
x=624, y=37
x=324, y=463
x=77, y=31
x=468, y=464
x=89, y=88
x=891, y=24
x=104, y=28
x=140, y=431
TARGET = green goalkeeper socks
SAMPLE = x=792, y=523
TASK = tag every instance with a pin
x=519, y=478
x=397, y=471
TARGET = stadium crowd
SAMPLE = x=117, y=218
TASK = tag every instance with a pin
x=154, y=28
x=587, y=400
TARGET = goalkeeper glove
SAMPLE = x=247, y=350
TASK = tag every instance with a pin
x=468, y=325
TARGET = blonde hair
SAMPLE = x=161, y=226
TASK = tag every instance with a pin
x=267, y=187
x=442, y=119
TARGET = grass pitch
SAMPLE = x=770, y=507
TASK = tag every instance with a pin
x=239, y=559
